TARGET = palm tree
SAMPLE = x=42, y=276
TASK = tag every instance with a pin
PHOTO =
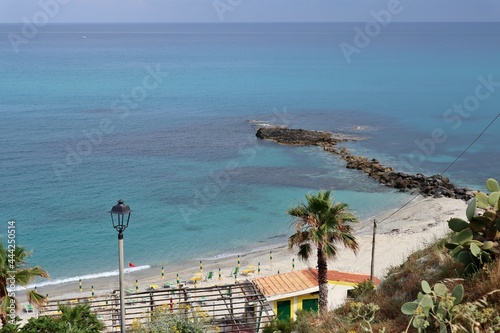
x=324, y=224
x=14, y=271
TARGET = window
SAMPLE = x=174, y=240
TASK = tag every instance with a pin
x=310, y=304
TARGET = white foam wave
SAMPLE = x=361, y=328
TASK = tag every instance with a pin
x=83, y=277
x=261, y=123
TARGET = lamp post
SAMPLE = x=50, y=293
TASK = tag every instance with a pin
x=120, y=216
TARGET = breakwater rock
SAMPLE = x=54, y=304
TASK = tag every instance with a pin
x=300, y=137
x=436, y=186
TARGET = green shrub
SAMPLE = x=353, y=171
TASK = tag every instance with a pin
x=365, y=289
x=78, y=319
x=281, y=326
x=178, y=320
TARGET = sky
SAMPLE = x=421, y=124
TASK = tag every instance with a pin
x=18, y=11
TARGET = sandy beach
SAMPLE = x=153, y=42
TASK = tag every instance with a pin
x=398, y=235
x=420, y=222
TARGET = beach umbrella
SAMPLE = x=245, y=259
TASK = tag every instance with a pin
x=271, y=258
x=171, y=304
x=220, y=276
x=201, y=266
x=178, y=281
x=162, y=273
x=238, y=260
x=258, y=269
x=293, y=264
x=92, y=291
x=136, y=286
x=80, y=281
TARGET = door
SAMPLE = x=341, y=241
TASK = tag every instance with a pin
x=284, y=310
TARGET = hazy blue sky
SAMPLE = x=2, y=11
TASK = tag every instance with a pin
x=244, y=10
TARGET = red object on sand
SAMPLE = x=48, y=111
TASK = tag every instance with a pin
x=131, y=264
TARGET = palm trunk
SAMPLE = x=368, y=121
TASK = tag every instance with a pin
x=322, y=281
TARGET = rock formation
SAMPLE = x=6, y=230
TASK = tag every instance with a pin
x=436, y=186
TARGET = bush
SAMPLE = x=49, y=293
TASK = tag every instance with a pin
x=179, y=320
x=363, y=290
x=282, y=326
x=78, y=319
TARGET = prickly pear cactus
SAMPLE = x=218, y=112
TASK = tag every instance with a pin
x=486, y=201
x=476, y=242
x=433, y=305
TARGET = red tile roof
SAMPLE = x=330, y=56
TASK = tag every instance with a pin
x=305, y=279
x=345, y=277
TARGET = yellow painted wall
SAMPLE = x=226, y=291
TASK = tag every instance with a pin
x=295, y=303
x=303, y=297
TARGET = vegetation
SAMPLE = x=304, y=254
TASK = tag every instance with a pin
x=179, y=320
x=453, y=285
x=476, y=241
x=14, y=271
x=322, y=223
x=436, y=289
x=77, y=319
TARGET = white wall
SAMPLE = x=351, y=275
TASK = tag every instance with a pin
x=337, y=294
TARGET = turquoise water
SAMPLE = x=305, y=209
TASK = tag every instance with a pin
x=183, y=154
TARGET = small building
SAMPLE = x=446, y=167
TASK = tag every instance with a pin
x=289, y=292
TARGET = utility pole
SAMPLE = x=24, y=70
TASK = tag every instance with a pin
x=373, y=249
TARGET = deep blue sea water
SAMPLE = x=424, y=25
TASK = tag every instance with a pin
x=83, y=122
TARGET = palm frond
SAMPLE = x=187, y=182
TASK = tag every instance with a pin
x=305, y=250
x=320, y=221
x=298, y=238
x=5, y=304
x=35, y=298
x=330, y=250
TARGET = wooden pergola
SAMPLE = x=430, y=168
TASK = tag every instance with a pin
x=229, y=308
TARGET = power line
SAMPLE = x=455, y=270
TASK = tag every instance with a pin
x=473, y=142
x=446, y=169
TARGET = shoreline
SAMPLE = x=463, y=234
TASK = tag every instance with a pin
x=417, y=224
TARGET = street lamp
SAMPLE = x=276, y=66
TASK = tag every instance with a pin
x=120, y=216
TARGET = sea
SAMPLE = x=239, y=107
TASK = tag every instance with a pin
x=164, y=117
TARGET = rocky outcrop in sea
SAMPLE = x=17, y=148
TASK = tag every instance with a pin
x=435, y=186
